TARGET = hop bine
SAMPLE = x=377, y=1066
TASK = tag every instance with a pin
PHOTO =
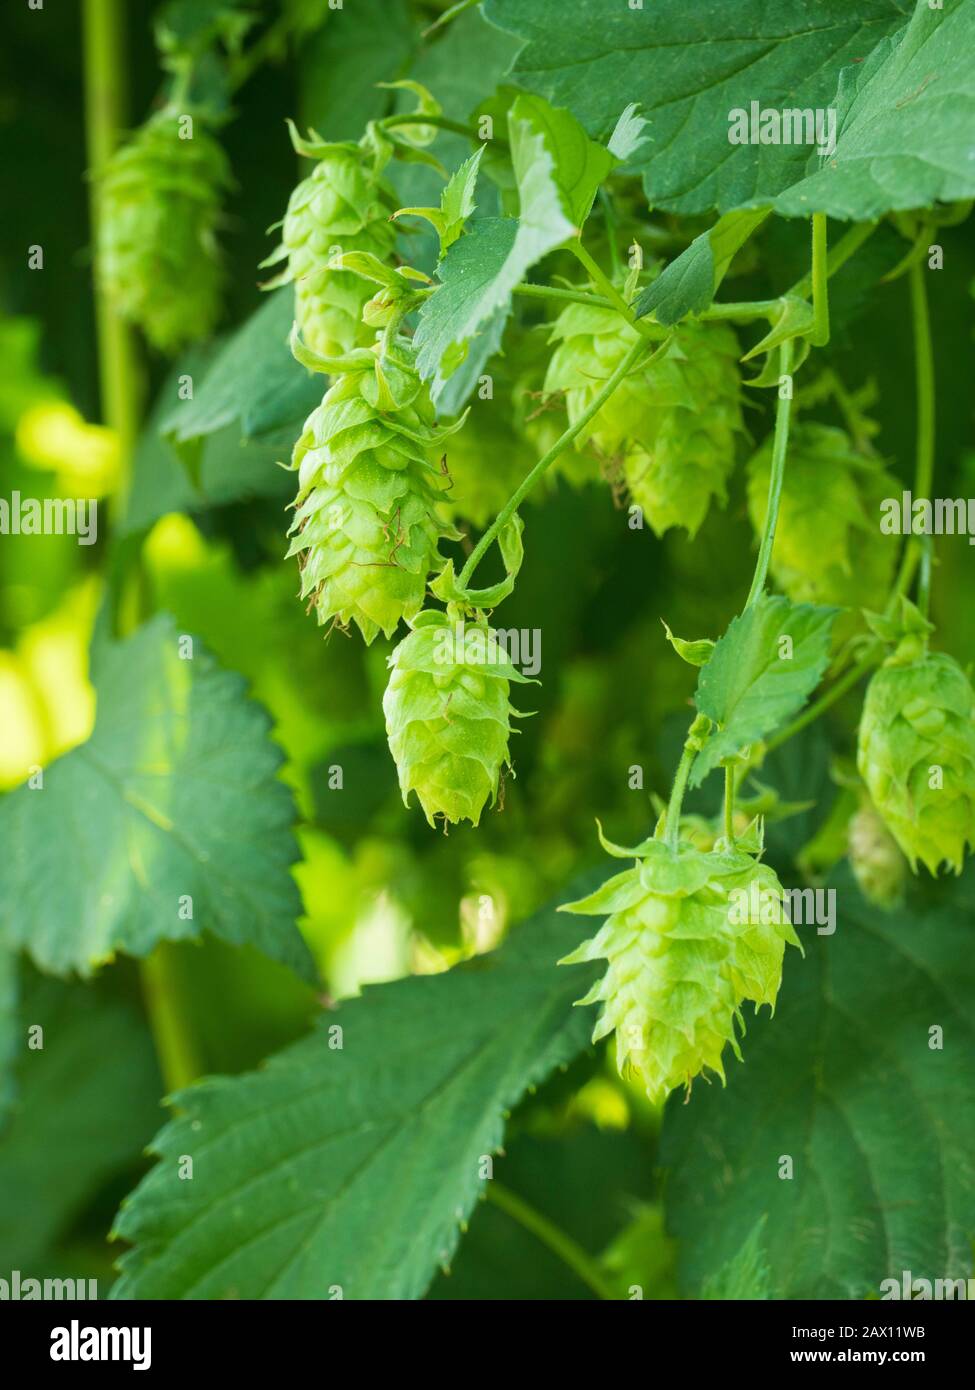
x=689, y=937
x=916, y=752
x=366, y=527
x=159, y=207
x=828, y=545
x=669, y=429
x=448, y=714
x=344, y=205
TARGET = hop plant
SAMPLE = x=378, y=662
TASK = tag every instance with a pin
x=916, y=753
x=366, y=527
x=828, y=543
x=878, y=865
x=342, y=206
x=689, y=937
x=157, y=256
x=669, y=428
x=448, y=714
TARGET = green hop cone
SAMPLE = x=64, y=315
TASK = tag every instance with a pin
x=157, y=258
x=342, y=206
x=916, y=754
x=690, y=936
x=668, y=431
x=828, y=544
x=878, y=865
x=366, y=526
x=448, y=715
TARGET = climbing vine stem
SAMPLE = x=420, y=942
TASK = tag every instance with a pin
x=780, y=445
x=631, y=359
x=105, y=68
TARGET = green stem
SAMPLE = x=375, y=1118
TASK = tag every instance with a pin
x=750, y=309
x=270, y=43
x=105, y=70
x=603, y=282
x=550, y=1235
x=838, y=256
x=563, y=296
x=105, y=67
x=560, y=445
x=440, y=122
x=729, y=805
x=924, y=434
x=916, y=549
x=172, y=1034
x=819, y=336
x=672, y=823
x=779, y=447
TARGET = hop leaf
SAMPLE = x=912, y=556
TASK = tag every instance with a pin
x=157, y=255
x=448, y=715
x=828, y=544
x=366, y=526
x=669, y=428
x=916, y=754
x=689, y=937
x=343, y=206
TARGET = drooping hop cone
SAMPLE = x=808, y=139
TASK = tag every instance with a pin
x=878, y=864
x=342, y=206
x=916, y=754
x=157, y=255
x=828, y=544
x=366, y=528
x=448, y=715
x=670, y=427
x=689, y=937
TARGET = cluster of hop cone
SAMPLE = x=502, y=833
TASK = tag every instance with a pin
x=381, y=482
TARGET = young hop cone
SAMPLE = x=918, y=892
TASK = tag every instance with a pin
x=448, y=715
x=669, y=429
x=828, y=544
x=689, y=937
x=157, y=255
x=877, y=863
x=916, y=753
x=366, y=526
x=342, y=206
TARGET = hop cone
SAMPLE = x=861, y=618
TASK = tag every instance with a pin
x=687, y=945
x=670, y=427
x=342, y=206
x=366, y=527
x=448, y=716
x=828, y=543
x=916, y=754
x=157, y=249
x=878, y=865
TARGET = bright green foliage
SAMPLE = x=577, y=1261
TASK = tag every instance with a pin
x=669, y=429
x=828, y=543
x=876, y=861
x=690, y=937
x=157, y=249
x=366, y=526
x=916, y=753
x=448, y=715
x=342, y=206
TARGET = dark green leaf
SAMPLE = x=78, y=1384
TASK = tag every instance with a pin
x=689, y=66
x=844, y=1080
x=377, y=1147
x=173, y=799
x=88, y=1101
x=760, y=674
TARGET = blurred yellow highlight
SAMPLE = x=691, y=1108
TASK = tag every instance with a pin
x=52, y=435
